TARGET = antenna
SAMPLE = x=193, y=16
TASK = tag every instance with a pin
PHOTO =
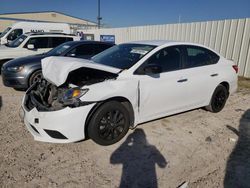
x=99, y=18
x=179, y=18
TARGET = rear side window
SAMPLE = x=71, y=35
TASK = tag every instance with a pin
x=56, y=41
x=198, y=56
x=39, y=42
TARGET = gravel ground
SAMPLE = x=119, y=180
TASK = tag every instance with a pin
x=198, y=147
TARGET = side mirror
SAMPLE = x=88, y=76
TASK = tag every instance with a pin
x=152, y=69
x=31, y=46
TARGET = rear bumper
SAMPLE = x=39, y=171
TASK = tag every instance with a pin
x=62, y=126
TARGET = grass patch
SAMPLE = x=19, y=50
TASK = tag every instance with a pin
x=244, y=82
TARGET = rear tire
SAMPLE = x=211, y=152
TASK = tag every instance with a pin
x=218, y=99
x=35, y=77
x=109, y=124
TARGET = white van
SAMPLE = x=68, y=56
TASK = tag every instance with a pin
x=33, y=43
x=19, y=28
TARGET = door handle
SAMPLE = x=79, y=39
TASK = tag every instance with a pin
x=183, y=80
x=213, y=75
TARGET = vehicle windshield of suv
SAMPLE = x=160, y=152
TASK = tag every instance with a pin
x=5, y=31
x=123, y=56
x=58, y=50
x=15, y=43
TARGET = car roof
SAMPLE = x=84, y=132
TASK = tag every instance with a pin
x=88, y=42
x=152, y=42
x=165, y=42
x=169, y=42
x=47, y=33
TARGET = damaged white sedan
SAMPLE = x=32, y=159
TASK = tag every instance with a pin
x=122, y=87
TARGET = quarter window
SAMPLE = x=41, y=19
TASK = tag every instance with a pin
x=198, y=56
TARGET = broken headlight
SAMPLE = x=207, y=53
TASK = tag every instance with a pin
x=74, y=93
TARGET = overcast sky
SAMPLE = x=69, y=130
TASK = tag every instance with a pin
x=121, y=13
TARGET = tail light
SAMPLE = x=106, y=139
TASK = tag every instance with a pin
x=236, y=68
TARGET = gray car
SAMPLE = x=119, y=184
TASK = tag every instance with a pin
x=22, y=72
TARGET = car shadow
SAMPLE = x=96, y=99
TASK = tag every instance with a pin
x=138, y=158
x=238, y=164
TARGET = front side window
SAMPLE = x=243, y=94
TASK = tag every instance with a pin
x=38, y=42
x=198, y=56
x=14, y=34
x=168, y=59
x=123, y=56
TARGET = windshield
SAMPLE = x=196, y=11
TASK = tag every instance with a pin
x=123, y=56
x=58, y=50
x=15, y=43
x=5, y=31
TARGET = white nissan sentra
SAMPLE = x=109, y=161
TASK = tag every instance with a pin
x=122, y=87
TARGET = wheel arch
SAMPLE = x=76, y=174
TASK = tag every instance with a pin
x=124, y=101
x=31, y=73
x=226, y=85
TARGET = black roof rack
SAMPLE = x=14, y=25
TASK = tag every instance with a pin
x=47, y=33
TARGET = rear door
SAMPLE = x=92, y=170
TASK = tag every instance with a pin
x=201, y=71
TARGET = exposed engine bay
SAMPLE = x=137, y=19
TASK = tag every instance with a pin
x=46, y=96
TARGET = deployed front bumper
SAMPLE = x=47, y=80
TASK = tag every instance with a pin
x=62, y=126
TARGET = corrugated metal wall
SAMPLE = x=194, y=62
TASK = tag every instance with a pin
x=231, y=38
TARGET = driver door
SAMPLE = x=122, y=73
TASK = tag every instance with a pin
x=163, y=93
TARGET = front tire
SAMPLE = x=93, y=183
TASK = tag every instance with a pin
x=218, y=99
x=109, y=124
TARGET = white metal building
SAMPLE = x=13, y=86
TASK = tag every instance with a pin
x=231, y=38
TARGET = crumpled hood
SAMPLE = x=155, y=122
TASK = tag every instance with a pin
x=56, y=69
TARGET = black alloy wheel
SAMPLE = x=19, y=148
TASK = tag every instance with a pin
x=218, y=100
x=35, y=77
x=109, y=124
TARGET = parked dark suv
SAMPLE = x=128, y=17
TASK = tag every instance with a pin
x=22, y=72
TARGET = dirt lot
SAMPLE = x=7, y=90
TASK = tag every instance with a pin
x=197, y=147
